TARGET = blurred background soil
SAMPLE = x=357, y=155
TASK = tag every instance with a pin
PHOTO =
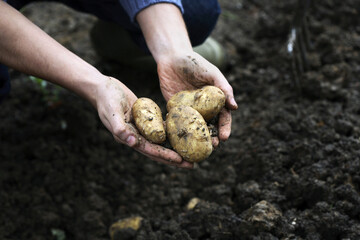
x=290, y=170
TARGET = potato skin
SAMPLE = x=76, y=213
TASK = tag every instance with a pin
x=208, y=101
x=188, y=133
x=148, y=120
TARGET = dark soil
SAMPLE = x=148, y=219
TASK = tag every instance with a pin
x=291, y=169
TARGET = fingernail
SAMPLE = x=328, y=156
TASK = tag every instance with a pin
x=131, y=140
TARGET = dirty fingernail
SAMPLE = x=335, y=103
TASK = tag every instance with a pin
x=131, y=141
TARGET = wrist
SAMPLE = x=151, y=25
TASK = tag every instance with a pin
x=164, y=30
x=86, y=83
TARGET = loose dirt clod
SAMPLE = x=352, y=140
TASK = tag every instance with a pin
x=125, y=228
x=192, y=203
x=263, y=216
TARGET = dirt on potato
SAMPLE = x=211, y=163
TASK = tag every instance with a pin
x=290, y=170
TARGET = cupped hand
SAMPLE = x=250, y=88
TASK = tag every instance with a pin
x=189, y=71
x=113, y=102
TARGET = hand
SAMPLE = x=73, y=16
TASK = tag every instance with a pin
x=179, y=67
x=25, y=47
x=186, y=71
x=113, y=102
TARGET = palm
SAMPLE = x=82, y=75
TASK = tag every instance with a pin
x=184, y=73
x=169, y=86
x=192, y=71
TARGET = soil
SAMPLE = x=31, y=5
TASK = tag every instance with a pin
x=290, y=170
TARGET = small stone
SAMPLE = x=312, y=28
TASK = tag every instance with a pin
x=192, y=203
x=262, y=215
x=125, y=227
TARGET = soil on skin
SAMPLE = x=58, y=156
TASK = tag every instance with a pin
x=290, y=170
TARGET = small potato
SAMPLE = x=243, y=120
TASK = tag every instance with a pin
x=208, y=101
x=188, y=133
x=148, y=120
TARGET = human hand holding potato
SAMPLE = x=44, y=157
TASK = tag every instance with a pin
x=186, y=121
x=113, y=101
x=191, y=71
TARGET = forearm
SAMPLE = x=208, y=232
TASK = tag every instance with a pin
x=26, y=48
x=164, y=29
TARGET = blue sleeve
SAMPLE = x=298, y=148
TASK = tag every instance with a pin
x=133, y=7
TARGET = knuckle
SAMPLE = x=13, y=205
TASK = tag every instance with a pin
x=119, y=130
x=228, y=89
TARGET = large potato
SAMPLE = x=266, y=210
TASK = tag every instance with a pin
x=148, y=120
x=208, y=101
x=188, y=133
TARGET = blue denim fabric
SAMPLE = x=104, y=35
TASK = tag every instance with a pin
x=200, y=15
x=134, y=7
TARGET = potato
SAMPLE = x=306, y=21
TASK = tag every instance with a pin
x=208, y=101
x=148, y=120
x=188, y=133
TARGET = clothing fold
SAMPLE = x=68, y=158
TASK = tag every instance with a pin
x=133, y=7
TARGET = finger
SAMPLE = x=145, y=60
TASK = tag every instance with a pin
x=123, y=132
x=172, y=162
x=130, y=141
x=183, y=164
x=156, y=151
x=224, y=124
x=153, y=151
x=186, y=165
x=224, y=85
x=215, y=142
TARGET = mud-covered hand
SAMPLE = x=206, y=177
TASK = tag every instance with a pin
x=114, y=102
x=187, y=71
x=179, y=67
x=25, y=47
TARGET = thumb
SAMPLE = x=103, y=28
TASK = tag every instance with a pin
x=123, y=132
x=224, y=85
x=230, y=100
